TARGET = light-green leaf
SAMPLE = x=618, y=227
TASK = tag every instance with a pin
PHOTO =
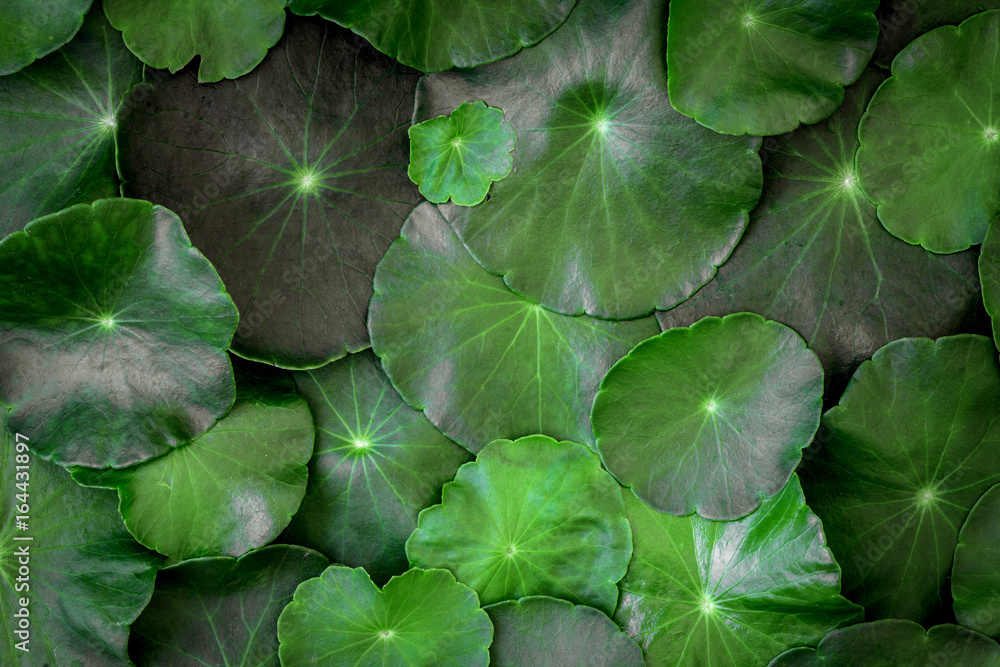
x=30, y=30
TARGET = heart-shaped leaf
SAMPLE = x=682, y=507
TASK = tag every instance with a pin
x=423, y=617
x=730, y=593
x=975, y=575
x=30, y=30
x=113, y=334
x=588, y=222
x=529, y=517
x=292, y=180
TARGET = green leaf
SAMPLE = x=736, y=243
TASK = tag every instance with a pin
x=30, y=30
x=901, y=461
x=783, y=62
x=221, y=611
x=933, y=168
x=902, y=21
x=989, y=276
x=113, y=334
x=589, y=221
x=378, y=462
x=508, y=526
x=86, y=579
x=59, y=119
x=435, y=35
x=893, y=643
x=730, y=593
x=230, y=36
x=975, y=575
x=292, y=180
x=556, y=633
x=231, y=489
x=458, y=156
x=712, y=418
x=479, y=360
x=423, y=617
x=816, y=258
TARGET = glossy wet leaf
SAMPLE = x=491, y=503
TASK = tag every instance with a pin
x=231, y=37
x=547, y=631
x=765, y=67
x=113, y=334
x=711, y=418
x=378, y=462
x=292, y=180
x=730, y=593
x=435, y=35
x=221, y=611
x=975, y=576
x=30, y=30
x=989, y=276
x=231, y=489
x=933, y=168
x=509, y=526
x=457, y=157
x=479, y=360
x=59, y=119
x=422, y=617
x=816, y=258
x=903, y=458
x=902, y=21
x=588, y=222
x=892, y=643
x=87, y=579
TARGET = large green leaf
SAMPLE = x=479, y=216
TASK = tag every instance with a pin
x=113, y=334
x=378, y=462
x=84, y=577
x=221, y=611
x=902, y=21
x=701, y=592
x=59, y=119
x=816, y=258
x=292, y=180
x=712, y=418
x=529, y=517
x=423, y=617
x=230, y=36
x=989, y=276
x=481, y=361
x=896, y=643
x=764, y=67
x=231, y=489
x=435, y=35
x=617, y=204
x=912, y=446
x=545, y=631
x=31, y=29
x=975, y=576
x=933, y=168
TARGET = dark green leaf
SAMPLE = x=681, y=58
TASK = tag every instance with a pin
x=30, y=30
x=975, y=576
x=902, y=21
x=989, y=276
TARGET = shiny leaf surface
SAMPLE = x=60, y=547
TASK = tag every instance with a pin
x=975, y=576
x=30, y=30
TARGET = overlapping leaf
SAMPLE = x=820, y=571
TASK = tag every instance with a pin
x=30, y=30
x=975, y=576
x=989, y=276
x=902, y=21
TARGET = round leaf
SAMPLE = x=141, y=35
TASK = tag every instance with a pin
x=423, y=617
x=975, y=576
x=113, y=334
x=479, y=360
x=782, y=62
x=816, y=258
x=710, y=418
x=221, y=611
x=457, y=157
x=435, y=35
x=730, y=593
x=509, y=527
x=230, y=36
x=617, y=204
x=30, y=30
x=989, y=276
x=933, y=168
x=59, y=119
x=378, y=462
x=292, y=180
x=546, y=631
x=902, y=21
x=901, y=461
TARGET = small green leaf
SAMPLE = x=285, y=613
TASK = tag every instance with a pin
x=509, y=526
x=458, y=156
x=975, y=575
x=423, y=617
x=989, y=276
x=30, y=30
